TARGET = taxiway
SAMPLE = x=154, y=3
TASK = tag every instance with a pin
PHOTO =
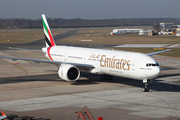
x=27, y=88
x=34, y=89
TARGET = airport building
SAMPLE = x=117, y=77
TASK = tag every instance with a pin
x=177, y=26
x=166, y=26
x=130, y=31
x=168, y=29
x=145, y=31
x=126, y=31
x=178, y=32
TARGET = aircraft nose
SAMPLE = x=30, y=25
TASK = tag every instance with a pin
x=154, y=72
x=157, y=71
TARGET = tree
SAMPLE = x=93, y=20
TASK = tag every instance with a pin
x=157, y=27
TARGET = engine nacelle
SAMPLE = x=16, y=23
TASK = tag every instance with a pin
x=68, y=72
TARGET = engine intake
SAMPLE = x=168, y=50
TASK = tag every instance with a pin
x=68, y=72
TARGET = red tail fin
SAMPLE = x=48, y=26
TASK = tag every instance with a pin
x=48, y=35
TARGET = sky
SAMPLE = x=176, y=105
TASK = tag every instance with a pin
x=90, y=9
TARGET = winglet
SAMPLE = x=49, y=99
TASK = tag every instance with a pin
x=48, y=35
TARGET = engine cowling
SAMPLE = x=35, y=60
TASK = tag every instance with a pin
x=68, y=72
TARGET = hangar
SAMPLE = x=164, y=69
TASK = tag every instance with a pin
x=126, y=31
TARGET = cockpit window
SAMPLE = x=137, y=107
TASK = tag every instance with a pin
x=157, y=64
x=152, y=64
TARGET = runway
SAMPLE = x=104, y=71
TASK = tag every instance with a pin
x=38, y=44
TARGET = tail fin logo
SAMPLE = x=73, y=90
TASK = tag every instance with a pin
x=48, y=35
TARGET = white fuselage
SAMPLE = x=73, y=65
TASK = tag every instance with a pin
x=119, y=63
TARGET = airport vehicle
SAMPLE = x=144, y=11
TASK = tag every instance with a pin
x=73, y=60
x=3, y=116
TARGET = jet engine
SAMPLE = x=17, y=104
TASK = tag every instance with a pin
x=68, y=72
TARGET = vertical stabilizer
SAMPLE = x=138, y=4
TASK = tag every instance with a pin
x=47, y=32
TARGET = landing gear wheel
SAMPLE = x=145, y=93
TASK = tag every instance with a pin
x=145, y=89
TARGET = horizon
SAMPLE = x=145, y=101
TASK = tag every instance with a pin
x=88, y=19
x=94, y=9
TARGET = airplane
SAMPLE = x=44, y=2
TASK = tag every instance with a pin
x=3, y=116
x=71, y=61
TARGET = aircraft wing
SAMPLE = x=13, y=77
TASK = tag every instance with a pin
x=154, y=53
x=2, y=117
x=83, y=66
x=25, y=49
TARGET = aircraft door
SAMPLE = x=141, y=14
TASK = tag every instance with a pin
x=65, y=56
x=134, y=63
x=85, y=58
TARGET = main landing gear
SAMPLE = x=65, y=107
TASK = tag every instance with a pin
x=146, y=88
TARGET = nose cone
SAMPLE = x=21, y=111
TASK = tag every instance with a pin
x=154, y=72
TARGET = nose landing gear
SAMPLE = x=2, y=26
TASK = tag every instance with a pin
x=146, y=88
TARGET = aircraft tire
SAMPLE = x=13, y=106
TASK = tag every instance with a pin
x=145, y=89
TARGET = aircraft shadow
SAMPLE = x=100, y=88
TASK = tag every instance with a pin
x=156, y=85
x=47, y=77
x=6, y=80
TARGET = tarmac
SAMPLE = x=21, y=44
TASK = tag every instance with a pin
x=27, y=88
x=34, y=89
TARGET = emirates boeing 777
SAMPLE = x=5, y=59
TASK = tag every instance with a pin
x=71, y=61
